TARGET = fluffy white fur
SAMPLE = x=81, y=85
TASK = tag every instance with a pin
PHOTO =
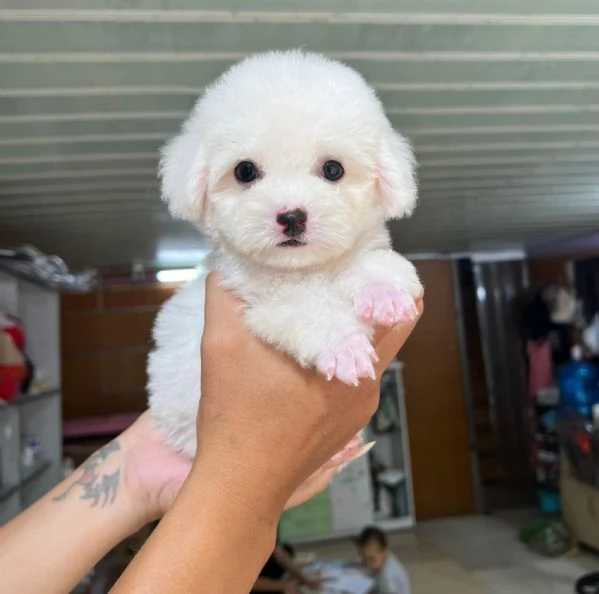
x=288, y=113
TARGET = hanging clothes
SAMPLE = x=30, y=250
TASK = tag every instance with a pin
x=540, y=367
x=586, y=276
x=564, y=307
x=537, y=318
x=539, y=325
x=590, y=336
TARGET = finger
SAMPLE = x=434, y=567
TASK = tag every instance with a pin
x=389, y=342
x=314, y=485
x=221, y=306
x=217, y=297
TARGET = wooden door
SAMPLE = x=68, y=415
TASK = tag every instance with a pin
x=436, y=409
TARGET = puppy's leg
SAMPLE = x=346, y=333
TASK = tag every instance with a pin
x=383, y=286
x=174, y=374
x=317, y=328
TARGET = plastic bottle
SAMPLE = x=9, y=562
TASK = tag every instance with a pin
x=579, y=386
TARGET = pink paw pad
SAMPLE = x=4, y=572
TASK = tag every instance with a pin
x=384, y=305
x=349, y=360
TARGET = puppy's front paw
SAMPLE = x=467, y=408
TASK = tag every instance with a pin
x=381, y=304
x=349, y=360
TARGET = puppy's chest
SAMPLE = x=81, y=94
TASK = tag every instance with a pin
x=258, y=286
x=283, y=289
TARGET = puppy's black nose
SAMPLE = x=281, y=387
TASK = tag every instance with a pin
x=293, y=222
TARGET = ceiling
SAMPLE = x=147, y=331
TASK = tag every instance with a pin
x=501, y=99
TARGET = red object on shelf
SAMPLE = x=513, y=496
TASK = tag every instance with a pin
x=11, y=378
x=13, y=368
x=15, y=329
x=583, y=441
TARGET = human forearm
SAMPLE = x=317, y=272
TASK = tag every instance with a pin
x=79, y=521
x=201, y=545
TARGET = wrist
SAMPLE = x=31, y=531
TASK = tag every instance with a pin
x=100, y=484
x=208, y=504
x=240, y=484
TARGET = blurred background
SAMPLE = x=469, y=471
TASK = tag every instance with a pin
x=501, y=101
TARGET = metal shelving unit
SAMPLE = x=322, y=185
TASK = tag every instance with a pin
x=351, y=501
x=36, y=415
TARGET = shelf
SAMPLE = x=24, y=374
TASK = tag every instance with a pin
x=34, y=473
x=7, y=492
x=24, y=399
x=34, y=413
x=46, y=284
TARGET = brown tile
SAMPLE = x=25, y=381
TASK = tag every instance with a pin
x=136, y=295
x=131, y=329
x=125, y=372
x=105, y=404
x=81, y=376
x=79, y=301
x=80, y=332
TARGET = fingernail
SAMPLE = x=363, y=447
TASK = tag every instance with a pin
x=349, y=451
x=361, y=452
x=343, y=456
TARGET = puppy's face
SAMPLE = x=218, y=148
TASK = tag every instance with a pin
x=292, y=161
x=291, y=197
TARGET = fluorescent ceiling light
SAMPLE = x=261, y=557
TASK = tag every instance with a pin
x=181, y=256
x=176, y=275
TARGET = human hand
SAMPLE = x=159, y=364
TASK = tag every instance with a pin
x=152, y=473
x=291, y=588
x=320, y=479
x=265, y=421
x=313, y=583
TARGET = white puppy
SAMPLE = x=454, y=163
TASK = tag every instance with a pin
x=290, y=166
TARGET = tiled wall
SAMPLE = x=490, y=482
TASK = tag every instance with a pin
x=106, y=336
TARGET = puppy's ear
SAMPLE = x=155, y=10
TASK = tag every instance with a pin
x=183, y=170
x=396, y=176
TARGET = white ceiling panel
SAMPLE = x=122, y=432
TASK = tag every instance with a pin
x=500, y=98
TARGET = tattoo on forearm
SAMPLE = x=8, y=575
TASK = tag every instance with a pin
x=100, y=488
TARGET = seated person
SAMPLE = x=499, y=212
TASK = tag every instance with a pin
x=280, y=564
x=388, y=572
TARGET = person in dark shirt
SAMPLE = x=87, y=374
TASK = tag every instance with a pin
x=282, y=575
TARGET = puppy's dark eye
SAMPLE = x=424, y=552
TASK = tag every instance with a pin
x=246, y=172
x=333, y=171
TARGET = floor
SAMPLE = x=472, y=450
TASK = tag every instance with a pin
x=475, y=555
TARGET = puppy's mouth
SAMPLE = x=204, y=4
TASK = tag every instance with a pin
x=291, y=243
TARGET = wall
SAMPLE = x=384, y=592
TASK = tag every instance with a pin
x=549, y=270
x=550, y=262
x=106, y=337
x=105, y=342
